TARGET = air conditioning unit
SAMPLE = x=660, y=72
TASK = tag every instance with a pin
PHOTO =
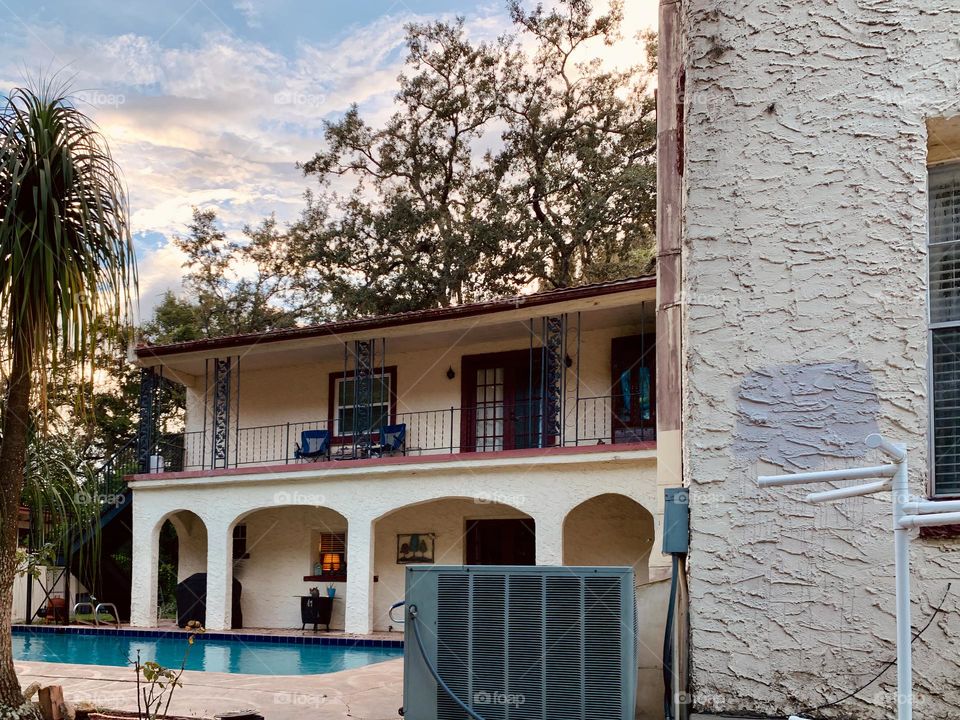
x=520, y=643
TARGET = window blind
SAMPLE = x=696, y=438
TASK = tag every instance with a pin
x=944, y=284
x=944, y=242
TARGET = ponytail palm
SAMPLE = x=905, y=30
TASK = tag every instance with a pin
x=66, y=269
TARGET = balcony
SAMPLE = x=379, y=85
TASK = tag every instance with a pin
x=494, y=427
x=562, y=370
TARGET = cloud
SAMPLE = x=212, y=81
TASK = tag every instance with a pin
x=249, y=11
x=221, y=121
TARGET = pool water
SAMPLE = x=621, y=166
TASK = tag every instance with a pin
x=207, y=653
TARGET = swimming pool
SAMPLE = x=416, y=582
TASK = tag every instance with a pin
x=276, y=655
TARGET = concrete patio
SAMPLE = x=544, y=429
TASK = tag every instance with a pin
x=372, y=692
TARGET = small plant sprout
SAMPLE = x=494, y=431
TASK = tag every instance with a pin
x=156, y=684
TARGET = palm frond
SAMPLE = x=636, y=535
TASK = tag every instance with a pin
x=67, y=262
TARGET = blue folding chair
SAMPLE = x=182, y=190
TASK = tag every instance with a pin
x=393, y=440
x=313, y=444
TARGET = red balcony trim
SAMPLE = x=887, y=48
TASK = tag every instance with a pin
x=395, y=460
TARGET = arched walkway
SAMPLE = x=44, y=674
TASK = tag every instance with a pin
x=182, y=552
x=279, y=553
x=446, y=531
x=609, y=529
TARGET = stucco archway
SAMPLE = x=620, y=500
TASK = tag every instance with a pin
x=609, y=529
x=443, y=523
x=181, y=538
x=276, y=555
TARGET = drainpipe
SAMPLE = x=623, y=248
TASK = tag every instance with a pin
x=669, y=297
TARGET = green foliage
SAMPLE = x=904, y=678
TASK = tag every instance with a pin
x=422, y=226
x=579, y=150
x=63, y=228
x=156, y=683
x=234, y=287
x=506, y=166
x=60, y=491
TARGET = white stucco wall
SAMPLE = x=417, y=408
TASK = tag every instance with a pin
x=191, y=544
x=804, y=227
x=609, y=530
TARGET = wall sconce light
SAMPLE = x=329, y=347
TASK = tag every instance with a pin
x=568, y=361
x=450, y=373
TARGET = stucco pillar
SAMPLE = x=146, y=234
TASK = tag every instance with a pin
x=145, y=560
x=219, y=576
x=549, y=539
x=358, y=616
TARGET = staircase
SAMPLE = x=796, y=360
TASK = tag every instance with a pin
x=95, y=567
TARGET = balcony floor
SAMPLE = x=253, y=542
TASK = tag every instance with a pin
x=398, y=460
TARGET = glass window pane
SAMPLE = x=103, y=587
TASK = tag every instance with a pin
x=946, y=409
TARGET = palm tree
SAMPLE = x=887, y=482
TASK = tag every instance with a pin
x=67, y=267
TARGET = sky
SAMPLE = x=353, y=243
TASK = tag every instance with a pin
x=211, y=103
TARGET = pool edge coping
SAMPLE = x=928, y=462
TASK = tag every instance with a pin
x=21, y=629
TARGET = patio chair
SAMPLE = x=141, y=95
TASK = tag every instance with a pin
x=314, y=444
x=393, y=440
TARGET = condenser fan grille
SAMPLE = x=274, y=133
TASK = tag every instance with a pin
x=519, y=646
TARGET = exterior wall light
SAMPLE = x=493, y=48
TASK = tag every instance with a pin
x=450, y=373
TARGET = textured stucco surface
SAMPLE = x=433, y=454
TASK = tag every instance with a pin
x=804, y=245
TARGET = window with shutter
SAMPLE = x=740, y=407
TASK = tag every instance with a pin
x=944, y=308
x=332, y=556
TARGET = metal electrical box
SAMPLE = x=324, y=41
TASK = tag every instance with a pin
x=521, y=642
x=676, y=520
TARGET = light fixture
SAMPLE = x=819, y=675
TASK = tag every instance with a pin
x=450, y=373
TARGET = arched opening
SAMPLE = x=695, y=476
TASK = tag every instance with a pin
x=182, y=553
x=613, y=529
x=280, y=553
x=445, y=531
x=609, y=529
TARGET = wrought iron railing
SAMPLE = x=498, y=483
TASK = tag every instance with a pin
x=583, y=422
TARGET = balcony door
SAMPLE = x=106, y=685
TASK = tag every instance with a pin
x=501, y=401
x=633, y=362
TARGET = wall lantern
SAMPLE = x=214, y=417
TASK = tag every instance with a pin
x=450, y=373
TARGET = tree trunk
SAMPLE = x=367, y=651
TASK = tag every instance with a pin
x=13, y=455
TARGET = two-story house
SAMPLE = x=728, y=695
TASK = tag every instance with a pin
x=516, y=431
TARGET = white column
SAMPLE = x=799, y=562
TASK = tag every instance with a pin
x=549, y=538
x=146, y=558
x=359, y=610
x=219, y=576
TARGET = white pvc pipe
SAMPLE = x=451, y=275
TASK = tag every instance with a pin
x=926, y=508
x=901, y=544
x=860, y=473
x=915, y=521
x=894, y=452
x=847, y=492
